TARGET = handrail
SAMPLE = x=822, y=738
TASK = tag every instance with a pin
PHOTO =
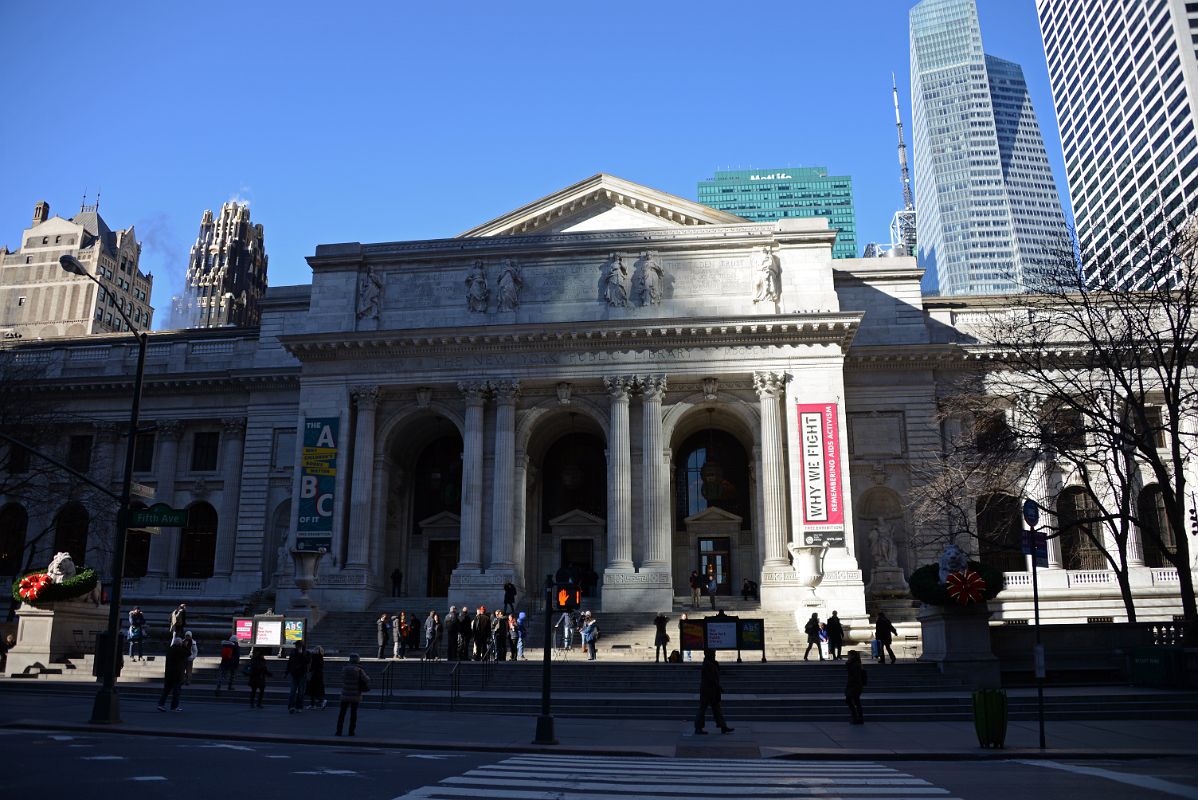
x=388, y=689
x=455, y=685
x=488, y=667
x=424, y=668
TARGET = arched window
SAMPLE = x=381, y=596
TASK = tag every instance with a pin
x=137, y=549
x=197, y=548
x=439, y=478
x=70, y=531
x=575, y=477
x=1000, y=532
x=712, y=470
x=1077, y=513
x=13, y=522
x=1156, y=534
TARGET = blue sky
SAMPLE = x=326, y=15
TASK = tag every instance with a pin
x=391, y=121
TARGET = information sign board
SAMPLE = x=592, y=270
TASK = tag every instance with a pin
x=268, y=632
x=243, y=628
x=751, y=634
x=293, y=631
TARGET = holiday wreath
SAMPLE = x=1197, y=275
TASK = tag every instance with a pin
x=38, y=589
x=976, y=584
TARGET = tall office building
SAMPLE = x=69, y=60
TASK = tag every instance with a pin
x=990, y=219
x=1125, y=84
x=39, y=300
x=764, y=195
x=226, y=274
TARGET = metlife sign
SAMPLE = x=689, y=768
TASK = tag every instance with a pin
x=823, y=493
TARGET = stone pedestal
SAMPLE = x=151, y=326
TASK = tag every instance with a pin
x=46, y=635
x=637, y=591
x=470, y=588
x=306, y=564
x=957, y=640
x=888, y=581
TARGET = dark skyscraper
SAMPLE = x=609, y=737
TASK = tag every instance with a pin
x=226, y=275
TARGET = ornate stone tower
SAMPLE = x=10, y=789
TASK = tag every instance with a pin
x=226, y=275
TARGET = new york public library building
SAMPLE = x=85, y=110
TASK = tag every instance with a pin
x=610, y=383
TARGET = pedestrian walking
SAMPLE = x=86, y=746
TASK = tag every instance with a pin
x=383, y=631
x=178, y=625
x=661, y=638
x=835, y=636
x=521, y=635
x=316, y=694
x=297, y=669
x=193, y=651
x=353, y=683
x=712, y=587
x=509, y=598
x=432, y=636
x=590, y=635
x=812, y=631
x=396, y=581
x=230, y=655
x=884, y=632
x=853, y=687
x=259, y=672
x=710, y=694
x=173, y=674
x=137, y=633
x=696, y=588
x=566, y=623
x=451, y=634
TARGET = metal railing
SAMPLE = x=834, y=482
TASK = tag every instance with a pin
x=455, y=685
x=425, y=670
x=388, y=687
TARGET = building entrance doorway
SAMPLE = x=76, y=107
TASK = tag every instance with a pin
x=578, y=563
x=715, y=560
x=442, y=559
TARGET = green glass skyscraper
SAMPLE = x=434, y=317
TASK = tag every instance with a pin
x=763, y=195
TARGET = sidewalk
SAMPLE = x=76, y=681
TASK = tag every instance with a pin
x=202, y=718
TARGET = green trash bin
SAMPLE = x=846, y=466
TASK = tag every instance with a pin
x=990, y=717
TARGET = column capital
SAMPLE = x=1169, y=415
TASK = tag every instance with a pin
x=169, y=428
x=475, y=392
x=770, y=384
x=619, y=386
x=652, y=386
x=506, y=391
x=366, y=397
x=234, y=426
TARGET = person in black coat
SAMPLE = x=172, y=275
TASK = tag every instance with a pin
x=661, y=639
x=499, y=629
x=465, y=634
x=172, y=679
x=382, y=626
x=835, y=636
x=884, y=632
x=451, y=634
x=482, y=633
x=812, y=631
x=853, y=687
x=509, y=598
x=710, y=693
x=259, y=672
x=316, y=691
x=298, y=664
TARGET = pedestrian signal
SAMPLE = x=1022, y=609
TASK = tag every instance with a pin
x=568, y=597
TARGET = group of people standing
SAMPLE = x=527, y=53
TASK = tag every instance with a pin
x=399, y=633
x=828, y=637
x=584, y=623
x=480, y=635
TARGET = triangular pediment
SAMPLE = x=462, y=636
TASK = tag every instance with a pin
x=713, y=514
x=442, y=519
x=603, y=203
x=576, y=517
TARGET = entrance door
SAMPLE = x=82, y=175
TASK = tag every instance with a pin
x=442, y=559
x=715, y=559
x=578, y=562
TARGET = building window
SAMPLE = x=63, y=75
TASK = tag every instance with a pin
x=70, y=531
x=143, y=453
x=79, y=453
x=13, y=522
x=197, y=545
x=284, y=454
x=18, y=460
x=205, y=447
x=21, y=301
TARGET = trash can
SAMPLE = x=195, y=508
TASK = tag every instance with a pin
x=1161, y=666
x=990, y=717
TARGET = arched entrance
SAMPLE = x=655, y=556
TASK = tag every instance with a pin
x=1081, y=529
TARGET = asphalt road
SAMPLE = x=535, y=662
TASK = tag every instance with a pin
x=50, y=765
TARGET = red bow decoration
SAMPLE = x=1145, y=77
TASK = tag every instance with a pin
x=966, y=587
x=31, y=586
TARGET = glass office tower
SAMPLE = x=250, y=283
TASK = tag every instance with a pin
x=990, y=218
x=763, y=195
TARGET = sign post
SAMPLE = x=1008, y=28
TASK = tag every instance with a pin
x=568, y=599
x=1036, y=546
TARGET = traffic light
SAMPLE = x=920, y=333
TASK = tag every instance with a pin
x=567, y=597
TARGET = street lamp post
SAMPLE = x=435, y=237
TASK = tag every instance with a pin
x=107, y=706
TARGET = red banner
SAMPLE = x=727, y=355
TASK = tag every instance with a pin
x=823, y=496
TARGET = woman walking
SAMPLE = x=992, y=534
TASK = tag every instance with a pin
x=853, y=687
x=316, y=679
x=353, y=682
x=258, y=675
x=835, y=636
x=812, y=631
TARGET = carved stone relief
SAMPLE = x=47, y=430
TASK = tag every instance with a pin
x=615, y=282
x=370, y=292
x=510, y=281
x=477, y=291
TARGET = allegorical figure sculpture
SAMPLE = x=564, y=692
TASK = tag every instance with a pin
x=881, y=545
x=477, y=292
x=615, y=282
x=769, y=277
x=510, y=282
x=370, y=290
x=652, y=279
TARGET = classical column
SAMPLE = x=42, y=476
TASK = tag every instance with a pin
x=232, y=456
x=1038, y=489
x=655, y=516
x=771, y=386
x=619, y=477
x=366, y=398
x=502, y=488
x=167, y=433
x=472, y=476
x=520, y=521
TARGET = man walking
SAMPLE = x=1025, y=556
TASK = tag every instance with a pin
x=710, y=693
x=509, y=598
x=660, y=639
x=354, y=681
x=853, y=687
x=884, y=632
x=298, y=665
x=696, y=588
x=172, y=679
x=835, y=636
x=382, y=633
x=812, y=631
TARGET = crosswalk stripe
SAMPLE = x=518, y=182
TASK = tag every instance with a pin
x=743, y=787
x=672, y=765
x=452, y=793
x=710, y=778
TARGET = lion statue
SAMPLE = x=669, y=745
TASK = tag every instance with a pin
x=62, y=567
x=953, y=559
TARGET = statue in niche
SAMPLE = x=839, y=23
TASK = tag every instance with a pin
x=881, y=545
x=370, y=292
x=769, y=277
x=510, y=282
x=652, y=279
x=477, y=292
x=615, y=283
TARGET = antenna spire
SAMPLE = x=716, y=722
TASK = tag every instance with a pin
x=908, y=201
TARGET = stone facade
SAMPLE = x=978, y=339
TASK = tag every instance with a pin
x=499, y=418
